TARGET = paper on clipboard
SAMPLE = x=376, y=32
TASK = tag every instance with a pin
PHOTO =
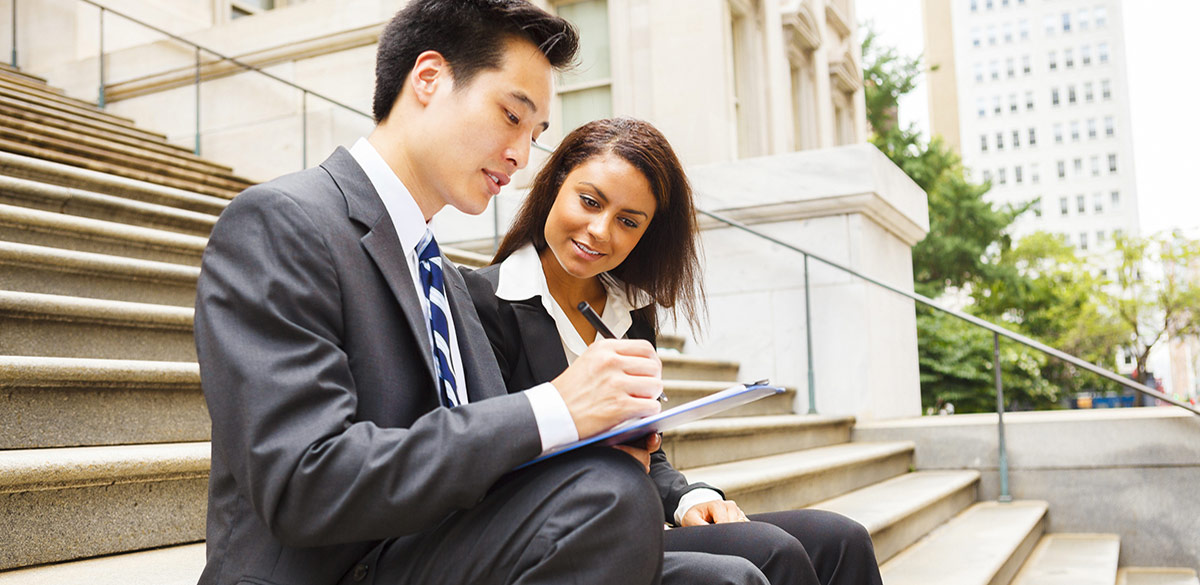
x=668, y=419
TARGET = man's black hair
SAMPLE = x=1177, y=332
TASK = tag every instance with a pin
x=470, y=34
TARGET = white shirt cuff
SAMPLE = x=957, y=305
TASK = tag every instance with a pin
x=696, y=496
x=554, y=421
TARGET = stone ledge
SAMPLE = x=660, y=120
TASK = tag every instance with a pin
x=36, y=227
x=77, y=309
x=754, y=425
x=26, y=470
x=56, y=372
x=762, y=472
x=74, y=261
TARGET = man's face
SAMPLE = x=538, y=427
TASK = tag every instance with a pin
x=476, y=137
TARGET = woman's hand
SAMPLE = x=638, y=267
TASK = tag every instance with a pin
x=715, y=512
x=653, y=442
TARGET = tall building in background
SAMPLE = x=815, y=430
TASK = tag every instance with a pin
x=1033, y=94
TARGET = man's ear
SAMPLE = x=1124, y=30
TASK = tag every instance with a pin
x=430, y=70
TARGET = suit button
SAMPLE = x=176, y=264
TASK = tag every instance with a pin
x=360, y=572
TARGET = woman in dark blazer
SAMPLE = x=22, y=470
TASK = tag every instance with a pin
x=610, y=220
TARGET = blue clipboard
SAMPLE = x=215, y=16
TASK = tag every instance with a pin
x=668, y=419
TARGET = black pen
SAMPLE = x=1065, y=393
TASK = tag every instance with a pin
x=590, y=314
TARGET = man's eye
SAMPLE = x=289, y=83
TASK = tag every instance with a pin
x=512, y=118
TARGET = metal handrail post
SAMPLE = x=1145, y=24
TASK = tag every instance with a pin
x=1003, y=467
x=812, y=385
x=100, y=102
x=14, y=33
x=197, y=101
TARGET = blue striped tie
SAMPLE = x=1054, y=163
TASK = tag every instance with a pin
x=434, y=285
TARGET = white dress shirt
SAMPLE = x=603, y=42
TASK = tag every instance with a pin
x=522, y=278
x=555, y=425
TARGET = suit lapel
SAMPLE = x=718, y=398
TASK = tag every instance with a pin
x=381, y=243
x=479, y=363
x=539, y=336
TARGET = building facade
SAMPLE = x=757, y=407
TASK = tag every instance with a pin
x=1033, y=93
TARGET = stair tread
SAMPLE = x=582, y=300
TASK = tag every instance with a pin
x=745, y=425
x=97, y=264
x=172, y=565
x=970, y=549
x=739, y=475
x=1156, y=576
x=67, y=467
x=883, y=504
x=101, y=228
x=57, y=371
x=70, y=308
x=1072, y=559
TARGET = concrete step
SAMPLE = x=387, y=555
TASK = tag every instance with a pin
x=901, y=510
x=669, y=341
x=115, y=155
x=1072, y=559
x=686, y=367
x=33, y=324
x=40, y=269
x=71, y=201
x=43, y=228
x=9, y=71
x=53, y=173
x=28, y=82
x=172, y=565
x=62, y=504
x=801, y=478
x=65, y=402
x=685, y=391
x=984, y=545
x=1156, y=576
x=714, y=441
x=22, y=147
x=48, y=98
x=40, y=117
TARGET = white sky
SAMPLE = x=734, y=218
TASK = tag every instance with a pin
x=1164, y=92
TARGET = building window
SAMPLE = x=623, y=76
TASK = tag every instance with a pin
x=1016, y=139
x=1078, y=164
x=1100, y=15
x=1088, y=95
x=1085, y=55
x=1029, y=101
x=1066, y=21
x=1063, y=206
x=1081, y=19
x=240, y=8
x=1083, y=240
x=1071, y=94
x=994, y=68
x=1054, y=96
x=991, y=35
x=1105, y=90
x=1023, y=27
x=1010, y=67
x=974, y=5
x=1115, y=200
x=1051, y=25
x=1099, y=237
x=1026, y=65
x=988, y=3
x=983, y=142
x=1037, y=207
x=1032, y=137
x=996, y=105
x=1062, y=170
x=1012, y=103
x=1102, y=53
x=1058, y=133
x=981, y=105
x=1098, y=203
x=975, y=37
x=1091, y=128
x=1069, y=58
x=999, y=141
x=1002, y=174
x=1080, y=204
x=987, y=176
x=1017, y=174
x=1112, y=163
x=1034, y=177
x=1109, y=129
x=586, y=92
x=1008, y=35
x=979, y=73
x=1095, y=161
x=1075, y=131
x=1053, y=60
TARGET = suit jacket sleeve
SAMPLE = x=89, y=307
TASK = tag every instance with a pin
x=283, y=401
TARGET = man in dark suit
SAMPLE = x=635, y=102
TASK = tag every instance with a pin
x=360, y=428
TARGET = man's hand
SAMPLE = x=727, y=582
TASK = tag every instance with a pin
x=613, y=380
x=653, y=442
x=716, y=512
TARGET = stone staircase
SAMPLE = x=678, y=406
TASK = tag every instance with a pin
x=103, y=429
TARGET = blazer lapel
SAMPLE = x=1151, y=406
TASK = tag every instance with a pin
x=381, y=242
x=539, y=336
x=479, y=364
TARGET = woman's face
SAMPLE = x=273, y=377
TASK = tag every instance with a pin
x=602, y=209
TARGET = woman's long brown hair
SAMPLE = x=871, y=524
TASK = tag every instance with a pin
x=665, y=263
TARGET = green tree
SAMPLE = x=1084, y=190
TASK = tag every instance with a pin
x=1158, y=282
